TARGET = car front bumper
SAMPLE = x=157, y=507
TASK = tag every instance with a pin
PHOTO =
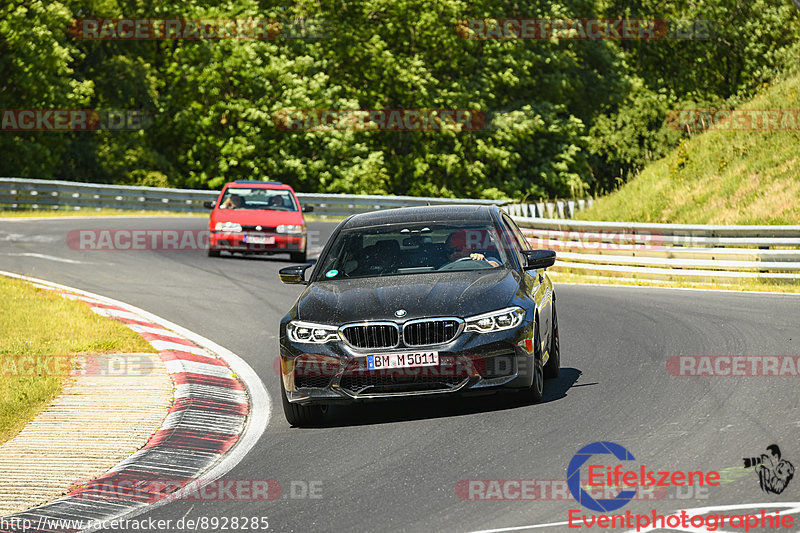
x=253, y=242
x=473, y=363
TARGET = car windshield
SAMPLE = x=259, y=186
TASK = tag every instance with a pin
x=412, y=249
x=258, y=198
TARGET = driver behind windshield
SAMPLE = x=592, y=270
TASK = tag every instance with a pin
x=234, y=201
x=459, y=243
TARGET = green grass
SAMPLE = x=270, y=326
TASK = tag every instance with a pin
x=38, y=323
x=719, y=177
x=565, y=276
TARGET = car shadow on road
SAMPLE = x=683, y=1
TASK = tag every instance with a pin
x=419, y=409
x=277, y=258
x=555, y=389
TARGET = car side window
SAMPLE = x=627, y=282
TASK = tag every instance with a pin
x=522, y=241
x=508, y=229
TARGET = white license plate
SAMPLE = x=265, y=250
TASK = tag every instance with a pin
x=402, y=360
x=259, y=239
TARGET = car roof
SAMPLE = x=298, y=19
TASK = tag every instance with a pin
x=245, y=184
x=432, y=213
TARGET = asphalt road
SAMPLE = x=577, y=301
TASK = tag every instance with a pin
x=395, y=467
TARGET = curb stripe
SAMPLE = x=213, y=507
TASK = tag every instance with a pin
x=110, y=313
x=176, y=366
x=209, y=428
x=129, y=321
x=210, y=392
x=188, y=378
x=162, y=346
x=148, y=329
x=212, y=405
x=151, y=337
x=191, y=439
x=200, y=420
x=171, y=355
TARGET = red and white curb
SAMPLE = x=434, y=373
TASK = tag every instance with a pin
x=221, y=409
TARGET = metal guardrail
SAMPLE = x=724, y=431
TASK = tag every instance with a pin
x=549, y=209
x=17, y=193
x=348, y=204
x=619, y=249
x=20, y=193
x=669, y=252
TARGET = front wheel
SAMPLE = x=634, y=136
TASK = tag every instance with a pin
x=213, y=252
x=301, y=415
x=298, y=257
x=533, y=394
x=554, y=361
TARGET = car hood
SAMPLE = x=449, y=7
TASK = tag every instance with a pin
x=255, y=217
x=461, y=294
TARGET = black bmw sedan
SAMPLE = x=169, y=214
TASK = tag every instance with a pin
x=419, y=301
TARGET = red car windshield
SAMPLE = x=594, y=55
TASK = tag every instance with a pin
x=259, y=199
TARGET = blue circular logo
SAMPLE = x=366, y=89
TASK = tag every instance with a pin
x=331, y=273
x=574, y=477
x=400, y=313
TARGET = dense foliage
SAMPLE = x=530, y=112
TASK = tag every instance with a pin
x=569, y=117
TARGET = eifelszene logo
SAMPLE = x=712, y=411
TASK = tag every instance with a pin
x=774, y=473
x=615, y=476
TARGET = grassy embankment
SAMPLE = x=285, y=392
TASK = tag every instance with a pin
x=720, y=176
x=37, y=323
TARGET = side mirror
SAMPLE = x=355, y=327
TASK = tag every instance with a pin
x=539, y=258
x=294, y=275
x=208, y=204
x=307, y=208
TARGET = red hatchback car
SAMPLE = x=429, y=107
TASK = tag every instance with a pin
x=257, y=217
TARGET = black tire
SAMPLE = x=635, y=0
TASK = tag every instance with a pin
x=213, y=252
x=298, y=257
x=533, y=394
x=301, y=415
x=554, y=361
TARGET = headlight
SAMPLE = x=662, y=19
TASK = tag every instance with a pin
x=286, y=228
x=507, y=318
x=228, y=226
x=310, y=332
